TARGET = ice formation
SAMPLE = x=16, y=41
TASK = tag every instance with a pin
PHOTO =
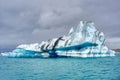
x=84, y=41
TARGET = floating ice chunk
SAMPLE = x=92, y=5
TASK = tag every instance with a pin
x=84, y=41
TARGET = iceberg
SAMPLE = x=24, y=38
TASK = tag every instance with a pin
x=83, y=41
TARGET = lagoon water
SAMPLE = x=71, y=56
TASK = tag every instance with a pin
x=107, y=68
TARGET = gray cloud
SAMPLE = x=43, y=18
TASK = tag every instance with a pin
x=29, y=21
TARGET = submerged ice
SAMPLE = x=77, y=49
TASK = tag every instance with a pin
x=84, y=41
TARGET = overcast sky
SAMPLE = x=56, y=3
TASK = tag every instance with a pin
x=31, y=21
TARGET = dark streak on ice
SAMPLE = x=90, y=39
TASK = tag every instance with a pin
x=76, y=47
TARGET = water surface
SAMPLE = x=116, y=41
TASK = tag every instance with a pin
x=107, y=68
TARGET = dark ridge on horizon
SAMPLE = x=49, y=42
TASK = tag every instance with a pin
x=116, y=50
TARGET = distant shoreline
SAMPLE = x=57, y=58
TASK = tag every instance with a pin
x=116, y=50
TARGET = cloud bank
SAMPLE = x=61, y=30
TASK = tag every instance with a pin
x=31, y=21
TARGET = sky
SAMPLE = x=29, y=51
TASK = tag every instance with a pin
x=32, y=21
